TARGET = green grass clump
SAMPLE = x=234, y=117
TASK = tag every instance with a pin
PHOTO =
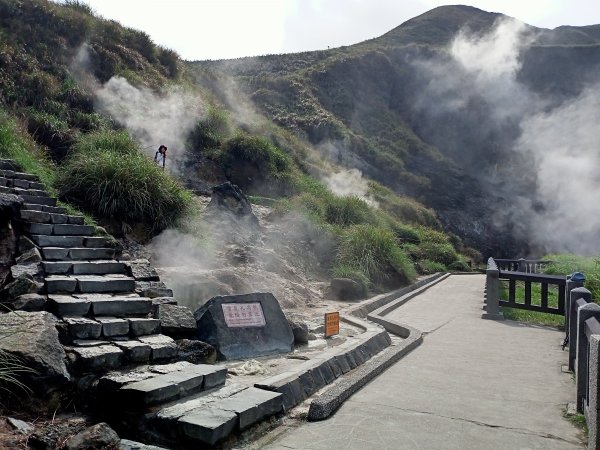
x=15, y=144
x=349, y=210
x=117, y=182
x=343, y=271
x=566, y=264
x=374, y=252
x=427, y=267
x=212, y=131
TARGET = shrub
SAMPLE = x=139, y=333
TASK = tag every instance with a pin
x=437, y=252
x=405, y=233
x=348, y=210
x=374, y=252
x=258, y=151
x=427, y=267
x=212, y=131
x=119, y=142
x=459, y=266
x=343, y=271
x=115, y=182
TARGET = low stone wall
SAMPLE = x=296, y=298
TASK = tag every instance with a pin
x=309, y=377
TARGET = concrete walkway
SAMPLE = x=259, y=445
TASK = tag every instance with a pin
x=472, y=384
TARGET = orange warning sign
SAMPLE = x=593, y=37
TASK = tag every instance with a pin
x=332, y=323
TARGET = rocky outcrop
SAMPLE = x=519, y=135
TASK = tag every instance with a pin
x=9, y=208
x=97, y=436
x=32, y=337
x=346, y=289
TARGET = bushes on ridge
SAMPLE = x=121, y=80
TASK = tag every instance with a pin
x=109, y=177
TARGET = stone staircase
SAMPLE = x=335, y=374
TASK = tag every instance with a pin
x=106, y=309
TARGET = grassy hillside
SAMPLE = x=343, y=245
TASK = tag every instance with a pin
x=362, y=106
x=55, y=57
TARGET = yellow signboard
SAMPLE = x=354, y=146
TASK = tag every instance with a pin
x=332, y=323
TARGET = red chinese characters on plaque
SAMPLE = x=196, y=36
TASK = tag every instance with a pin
x=239, y=315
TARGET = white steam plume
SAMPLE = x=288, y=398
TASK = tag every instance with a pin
x=547, y=171
x=349, y=182
x=152, y=118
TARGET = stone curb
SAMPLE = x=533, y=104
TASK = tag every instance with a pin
x=298, y=384
x=325, y=404
x=378, y=301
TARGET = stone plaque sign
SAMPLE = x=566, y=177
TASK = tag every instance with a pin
x=243, y=314
x=244, y=326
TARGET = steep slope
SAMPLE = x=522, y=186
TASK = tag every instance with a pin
x=405, y=111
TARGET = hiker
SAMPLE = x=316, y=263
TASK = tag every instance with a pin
x=161, y=156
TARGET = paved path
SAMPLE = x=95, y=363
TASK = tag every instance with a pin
x=472, y=384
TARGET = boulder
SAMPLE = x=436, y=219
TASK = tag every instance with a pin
x=244, y=326
x=300, y=330
x=97, y=436
x=346, y=289
x=229, y=197
x=29, y=302
x=25, y=284
x=141, y=270
x=10, y=205
x=29, y=256
x=25, y=244
x=18, y=270
x=32, y=337
x=175, y=321
x=196, y=352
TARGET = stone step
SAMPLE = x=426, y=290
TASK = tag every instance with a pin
x=8, y=164
x=44, y=240
x=88, y=283
x=47, y=201
x=51, y=209
x=134, y=391
x=212, y=418
x=104, y=355
x=77, y=254
x=79, y=305
x=13, y=189
x=42, y=217
x=18, y=175
x=108, y=328
x=73, y=230
x=22, y=184
x=99, y=267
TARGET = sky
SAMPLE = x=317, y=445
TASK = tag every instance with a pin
x=222, y=29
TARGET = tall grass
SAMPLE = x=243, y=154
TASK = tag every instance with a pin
x=15, y=144
x=110, y=178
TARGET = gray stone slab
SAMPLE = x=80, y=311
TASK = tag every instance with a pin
x=55, y=253
x=89, y=342
x=153, y=289
x=141, y=270
x=91, y=283
x=95, y=242
x=29, y=302
x=121, y=306
x=56, y=284
x=58, y=218
x=98, y=267
x=57, y=241
x=35, y=216
x=114, y=381
x=73, y=230
x=53, y=209
x=37, y=185
x=21, y=183
x=76, y=220
x=148, y=392
x=57, y=267
x=102, y=357
x=163, y=347
x=49, y=201
x=82, y=328
x=32, y=207
x=187, y=380
x=252, y=405
x=135, y=351
x=126, y=444
x=39, y=228
x=65, y=305
x=144, y=326
x=208, y=426
x=112, y=326
x=91, y=253
x=19, y=270
x=176, y=320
